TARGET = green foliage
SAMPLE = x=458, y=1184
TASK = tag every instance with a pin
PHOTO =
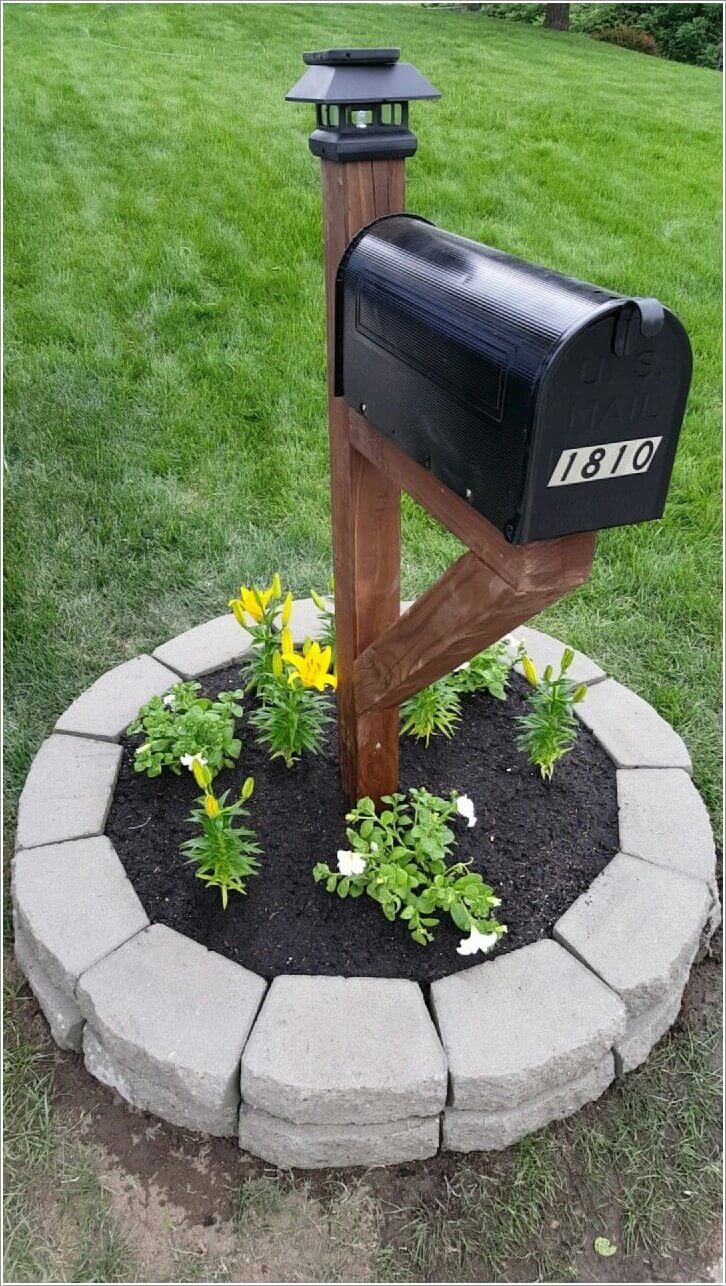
x=549, y=730
x=291, y=719
x=224, y=854
x=435, y=709
x=687, y=33
x=400, y=859
x=182, y=723
x=488, y=671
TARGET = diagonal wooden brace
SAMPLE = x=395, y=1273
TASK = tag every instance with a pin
x=469, y=608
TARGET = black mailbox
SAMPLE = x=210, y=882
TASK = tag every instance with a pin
x=552, y=405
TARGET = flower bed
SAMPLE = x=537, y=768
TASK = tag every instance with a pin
x=322, y=1069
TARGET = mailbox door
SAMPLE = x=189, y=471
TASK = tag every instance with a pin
x=606, y=431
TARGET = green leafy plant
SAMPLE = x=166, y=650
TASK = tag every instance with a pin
x=549, y=729
x=224, y=854
x=293, y=715
x=488, y=671
x=182, y=724
x=256, y=611
x=432, y=711
x=400, y=858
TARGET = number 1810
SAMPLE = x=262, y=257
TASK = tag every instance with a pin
x=609, y=460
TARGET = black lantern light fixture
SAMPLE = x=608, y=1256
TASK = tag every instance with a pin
x=361, y=101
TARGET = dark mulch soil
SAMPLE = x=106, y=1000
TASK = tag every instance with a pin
x=539, y=845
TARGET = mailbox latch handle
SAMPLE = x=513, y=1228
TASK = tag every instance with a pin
x=637, y=316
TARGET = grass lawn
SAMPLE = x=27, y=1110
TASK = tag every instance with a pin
x=166, y=437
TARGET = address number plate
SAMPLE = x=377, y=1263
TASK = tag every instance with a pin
x=609, y=460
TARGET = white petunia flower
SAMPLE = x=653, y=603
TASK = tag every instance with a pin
x=464, y=666
x=374, y=846
x=465, y=808
x=188, y=761
x=169, y=699
x=350, y=863
x=476, y=942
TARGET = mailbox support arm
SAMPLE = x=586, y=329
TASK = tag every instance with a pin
x=469, y=608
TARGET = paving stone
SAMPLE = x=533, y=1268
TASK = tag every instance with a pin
x=482, y=1131
x=663, y=819
x=106, y=708
x=205, y=648
x=631, y=732
x=643, y=1032
x=67, y=793
x=546, y=650
x=314, y=1146
x=61, y=1013
x=172, y=1019
x=150, y=1095
x=344, y=1051
x=74, y=903
x=638, y=927
x=522, y=1025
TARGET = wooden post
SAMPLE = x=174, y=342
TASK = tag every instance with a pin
x=365, y=502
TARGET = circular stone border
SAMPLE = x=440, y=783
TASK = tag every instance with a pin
x=319, y=1071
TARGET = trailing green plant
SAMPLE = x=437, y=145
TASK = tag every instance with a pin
x=293, y=715
x=400, y=858
x=431, y=711
x=549, y=729
x=224, y=854
x=488, y=671
x=326, y=634
x=256, y=611
x=182, y=724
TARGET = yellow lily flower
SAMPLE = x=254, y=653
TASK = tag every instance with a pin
x=530, y=671
x=255, y=601
x=238, y=611
x=313, y=668
x=211, y=806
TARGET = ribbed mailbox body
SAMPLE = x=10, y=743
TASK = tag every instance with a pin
x=552, y=405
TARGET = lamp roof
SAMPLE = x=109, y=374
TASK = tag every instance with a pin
x=348, y=76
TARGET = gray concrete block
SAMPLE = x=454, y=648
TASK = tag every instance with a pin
x=151, y=1095
x=205, y=648
x=485, y=1131
x=663, y=819
x=61, y=1012
x=546, y=650
x=106, y=708
x=74, y=904
x=312, y=1147
x=638, y=927
x=643, y=1032
x=67, y=793
x=176, y=1015
x=344, y=1051
x=522, y=1025
x=631, y=732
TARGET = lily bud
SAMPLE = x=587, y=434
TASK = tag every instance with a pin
x=276, y=586
x=568, y=657
x=247, y=789
x=286, y=609
x=286, y=643
x=202, y=775
x=277, y=665
x=530, y=671
x=580, y=693
x=318, y=601
x=211, y=806
x=238, y=610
